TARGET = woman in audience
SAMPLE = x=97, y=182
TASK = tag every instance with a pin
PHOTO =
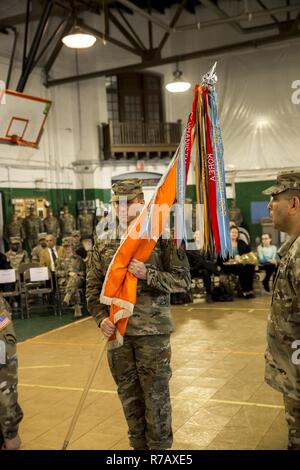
x=245, y=272
x=267, y=254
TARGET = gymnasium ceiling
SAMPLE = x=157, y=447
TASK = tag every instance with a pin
x=256, y=22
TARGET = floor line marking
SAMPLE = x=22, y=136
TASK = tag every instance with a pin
x=236, y=309
x=60, y=328
x=44, y=367
x=174, y=397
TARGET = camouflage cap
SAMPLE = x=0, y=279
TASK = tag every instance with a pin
x=67, y=241
x=13, y=240
x=42, y=236
x=76, y=233
x=129, y=189
x=285, y=180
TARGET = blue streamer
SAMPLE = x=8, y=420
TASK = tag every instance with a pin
x=218, y=150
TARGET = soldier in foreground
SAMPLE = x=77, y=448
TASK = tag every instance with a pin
x=10, y=411
x=141, y=367
x=283, y=333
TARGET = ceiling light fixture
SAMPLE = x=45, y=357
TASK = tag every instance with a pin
x=78, y=38
x=178, y=85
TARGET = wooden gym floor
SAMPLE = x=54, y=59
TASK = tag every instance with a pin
x=218, y=393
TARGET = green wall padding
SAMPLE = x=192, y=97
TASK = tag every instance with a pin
x=245, y=194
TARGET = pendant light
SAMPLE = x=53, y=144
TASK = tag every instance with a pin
x=78, y=38
x=178, y=85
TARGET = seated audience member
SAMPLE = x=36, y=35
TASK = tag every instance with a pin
x=243, y=233
x=4, y=264
x=16, y=255
x=267, y=254
x=85, y=248
x=201, y=266
x=35, y=253
x=245, y=272
x=49, y=255
x=70, y=272
x=76, y=239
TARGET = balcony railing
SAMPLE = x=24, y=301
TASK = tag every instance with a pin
x=136, y=138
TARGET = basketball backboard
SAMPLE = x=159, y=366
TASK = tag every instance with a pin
x=22, y=118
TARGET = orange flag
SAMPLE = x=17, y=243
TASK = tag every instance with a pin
x=119, y=288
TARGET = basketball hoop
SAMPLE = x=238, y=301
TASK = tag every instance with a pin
x=15, y=139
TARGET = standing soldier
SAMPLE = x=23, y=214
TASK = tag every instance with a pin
x=10, y=411
x=32, y=227
x=283, y=333
x=16, y=255
x=76, y=239
x=51, y=224
x=14, y=229
x=235, y=213
x=67, y=223
x=35, y=254
x=141, y=367
x=70, y=271
x=85, y=223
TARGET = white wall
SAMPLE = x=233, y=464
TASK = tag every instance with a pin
x=260, y=125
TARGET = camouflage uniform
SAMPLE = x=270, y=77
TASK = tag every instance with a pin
x=35, y=253
x=282, y=371
x=10, y=411
x=75, y=236
x=51, y=226
x=68, y=284
x=235, y=214
x=67, y=224
x=86, y=224
x=14, y=229
x=15, y=258
x=141, y=367
x=32, y=227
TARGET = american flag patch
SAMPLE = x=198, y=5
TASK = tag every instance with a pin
x=4, y=322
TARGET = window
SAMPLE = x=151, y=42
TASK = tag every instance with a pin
x=134, y=97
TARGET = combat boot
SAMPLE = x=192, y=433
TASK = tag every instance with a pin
x=67, y=298
x=77, y=311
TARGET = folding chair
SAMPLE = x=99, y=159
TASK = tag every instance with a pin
x=38, y=283
x=8, y=276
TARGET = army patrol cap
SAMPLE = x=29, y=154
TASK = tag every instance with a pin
x=67, y=241
x=14, y=240
x=42, y=236
x=285, y=180
x=76, y=233
x=129, y=189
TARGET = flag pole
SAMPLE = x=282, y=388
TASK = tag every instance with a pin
x=84, y=395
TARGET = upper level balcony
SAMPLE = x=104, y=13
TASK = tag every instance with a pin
x=139, y=139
